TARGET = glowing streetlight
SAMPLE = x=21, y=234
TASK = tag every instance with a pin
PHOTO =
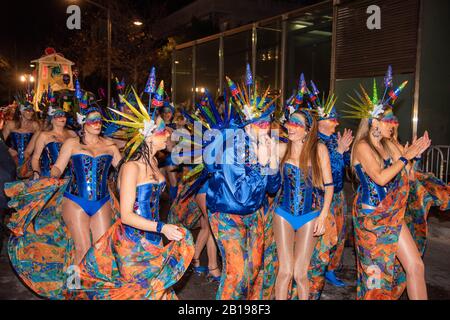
x=137, y=23
x=31, y=78
x=23, y=78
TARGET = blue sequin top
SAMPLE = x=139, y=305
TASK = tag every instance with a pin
x=369, y=192
x=147, y=206
x=48, y=157
x=338, y=161
x=297, y=197
x=19, y=142
x=90, y=176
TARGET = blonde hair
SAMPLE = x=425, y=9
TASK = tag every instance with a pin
x=362, y=135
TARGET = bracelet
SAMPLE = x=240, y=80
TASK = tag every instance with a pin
x=159, y=226
x=404, y=160
x=329, y=184
x=417, y=158
x=34, y=171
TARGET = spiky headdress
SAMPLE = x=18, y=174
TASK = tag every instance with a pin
x=367, y=107
x=297, y=101
x=248, y=102
x=138, y=125
x=324, y=107
x=209, y=117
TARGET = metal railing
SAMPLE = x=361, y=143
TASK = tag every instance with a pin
x=436, y=160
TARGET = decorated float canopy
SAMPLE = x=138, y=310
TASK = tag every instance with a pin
x=53, y=70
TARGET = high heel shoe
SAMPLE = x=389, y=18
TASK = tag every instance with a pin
x=212, y=278
x=198, y=269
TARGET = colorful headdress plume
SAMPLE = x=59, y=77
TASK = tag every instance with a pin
x=325, y=108
x=366, y=107
x=138, y=125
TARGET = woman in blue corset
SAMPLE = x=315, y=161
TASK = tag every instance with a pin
x=86, y=206
x=20, y=131
x=130, y=261
x=300, y=212
x=388, y=260
x=48, y=143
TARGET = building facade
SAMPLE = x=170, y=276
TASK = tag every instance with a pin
x=336, y=44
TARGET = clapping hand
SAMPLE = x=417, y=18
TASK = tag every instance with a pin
x=344, y=141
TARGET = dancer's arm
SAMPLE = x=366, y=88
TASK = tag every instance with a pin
x=327, y=178
x=371, y=166
x=39, y=147
x=129, y=174
x=32, y=144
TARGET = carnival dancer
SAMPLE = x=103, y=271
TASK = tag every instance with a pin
x=86, y=205
x=129, y=261
x=384, y=244
x=239, y=179
x=300, y=213
x=338, y=148
x=191, y=211
x=21, y=130
x=48, y=143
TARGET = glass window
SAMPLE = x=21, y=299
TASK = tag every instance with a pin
x=237, y=51
x=268, y=56
x=309, y=50
x=207, y=68
x=183, y=76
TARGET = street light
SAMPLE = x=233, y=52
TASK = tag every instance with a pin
x=137, y=23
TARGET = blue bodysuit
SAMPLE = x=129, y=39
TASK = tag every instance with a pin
x=19, y=142
x=146, y=206
x=370, y=193
x=89, y=184
x=298, y=202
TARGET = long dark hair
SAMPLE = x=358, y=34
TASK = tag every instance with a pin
x=142, y=153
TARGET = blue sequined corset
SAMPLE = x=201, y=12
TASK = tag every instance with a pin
x=297, y=197
x=49, y=156
x=90, y=176
x=147, y=206
x=369, y=192
x=19, y=142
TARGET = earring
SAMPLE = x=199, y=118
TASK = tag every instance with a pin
x=304, y=138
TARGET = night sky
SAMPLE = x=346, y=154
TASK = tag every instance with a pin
x=29, y=26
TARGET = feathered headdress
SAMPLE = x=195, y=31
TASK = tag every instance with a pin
x=325, y=108
x=297, y=101
x=209, y=117
x=367, y=107
x=137, y=125
x=248, y=102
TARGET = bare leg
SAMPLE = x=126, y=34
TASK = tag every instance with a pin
x=284, y=238
x=412, y=262
x=78, y=223
x=305, y=243
x=101, y=221
x=211, y=247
